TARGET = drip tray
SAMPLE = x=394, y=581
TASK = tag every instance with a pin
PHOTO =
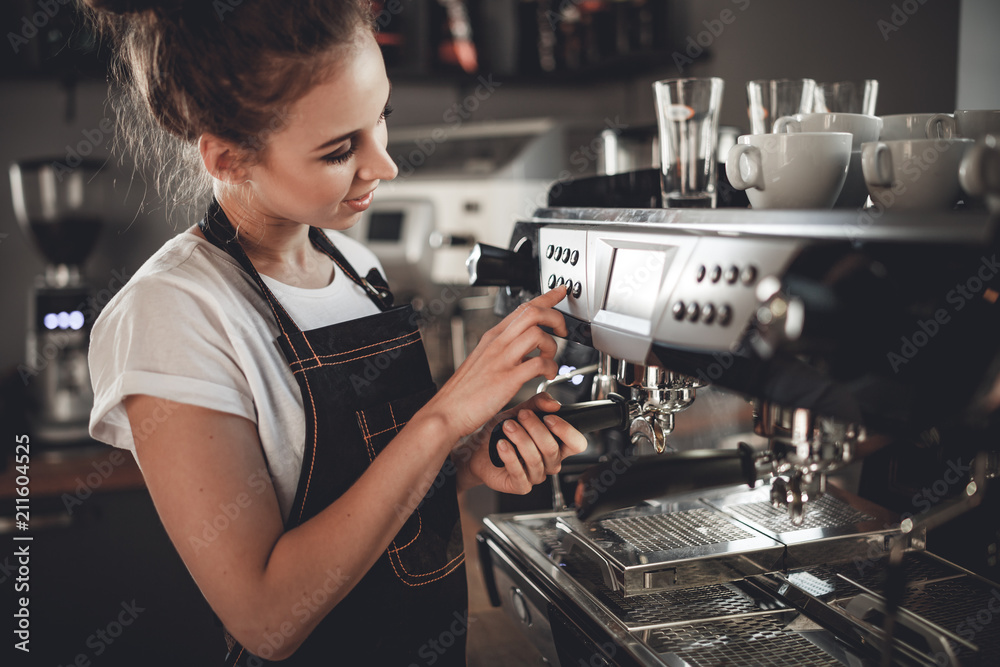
x=712, y=539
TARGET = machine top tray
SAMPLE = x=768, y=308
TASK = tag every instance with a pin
x=839, y=224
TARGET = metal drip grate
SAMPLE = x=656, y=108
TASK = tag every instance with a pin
x=964, y=606
x=826, y=512
x=760, y=641
x=664, y=532
x=821, y=580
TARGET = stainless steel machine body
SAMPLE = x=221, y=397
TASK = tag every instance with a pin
x=847, y=334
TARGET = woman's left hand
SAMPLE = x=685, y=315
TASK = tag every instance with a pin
x=532, y=448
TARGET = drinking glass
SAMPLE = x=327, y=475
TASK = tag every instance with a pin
x=846, y=97
x=770, y=99
x=687, y=115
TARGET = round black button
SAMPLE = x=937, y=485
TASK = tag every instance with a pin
x=566, y=254
x=701, y=273
x=708, y=313
x=552, y=281
x=548, y=251
x=749, y=275
x=732, y=274
x=577, y=290
x=561, y=282
x=558, y=253
x=575, y=257
x=725, y=315
x=693, y=312
x=679, y=309
x=716, y=273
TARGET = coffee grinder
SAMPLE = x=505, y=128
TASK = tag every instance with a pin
x=60, y=208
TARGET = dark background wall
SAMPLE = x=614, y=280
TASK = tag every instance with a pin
x=917, y=66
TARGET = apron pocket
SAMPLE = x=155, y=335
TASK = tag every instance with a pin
x=429, y=545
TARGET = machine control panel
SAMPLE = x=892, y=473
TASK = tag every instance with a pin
x=563, y=262
x=715, y=297
x=643, y=285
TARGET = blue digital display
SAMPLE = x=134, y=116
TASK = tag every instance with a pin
x=63, y=320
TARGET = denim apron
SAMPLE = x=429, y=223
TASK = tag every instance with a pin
x=361, y=381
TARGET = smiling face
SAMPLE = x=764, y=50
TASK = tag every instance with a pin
x=322, y=166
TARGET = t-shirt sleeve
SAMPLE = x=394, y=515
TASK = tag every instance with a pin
x=162, y=340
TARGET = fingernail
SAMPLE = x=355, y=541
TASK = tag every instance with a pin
x=509, y=426
x=502, y=445
x=549, y=420
x=546, y=395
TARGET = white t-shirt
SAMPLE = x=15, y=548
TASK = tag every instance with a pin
x=192, y=327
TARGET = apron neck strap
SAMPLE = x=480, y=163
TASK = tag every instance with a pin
x=220, y=233
x=217, y=229
x=374, y=284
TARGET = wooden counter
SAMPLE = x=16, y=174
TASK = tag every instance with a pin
x=81, y=470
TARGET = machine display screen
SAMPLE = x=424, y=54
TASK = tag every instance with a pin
x=636, y=276
x=385, y=226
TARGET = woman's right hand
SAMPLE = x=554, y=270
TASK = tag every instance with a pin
x=501, y=364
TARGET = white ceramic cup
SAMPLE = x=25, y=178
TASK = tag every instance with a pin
x=914, y=174
x=976, y=124
x=863, y=127
x=917, y=126
x=799, y=170
x=979, y=172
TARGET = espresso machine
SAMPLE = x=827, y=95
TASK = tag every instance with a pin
x=851, y=338
x=60, y=208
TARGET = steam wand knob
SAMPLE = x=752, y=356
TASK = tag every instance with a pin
x=492, y=266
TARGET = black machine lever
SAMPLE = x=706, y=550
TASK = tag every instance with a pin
x=589, y=416
x=492, y=266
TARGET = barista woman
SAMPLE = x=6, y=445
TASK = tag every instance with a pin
x=256, y=362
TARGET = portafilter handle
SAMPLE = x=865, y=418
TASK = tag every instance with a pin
x=612, y=412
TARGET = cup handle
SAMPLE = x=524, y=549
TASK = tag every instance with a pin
x=940, y=126
x=979, y=172
x=876, y=164
x=754, y=177
x=787, y=125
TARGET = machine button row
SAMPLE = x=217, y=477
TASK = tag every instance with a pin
x=732, y=275
x=574, y=289
x=564, y=255
x=707, y=313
